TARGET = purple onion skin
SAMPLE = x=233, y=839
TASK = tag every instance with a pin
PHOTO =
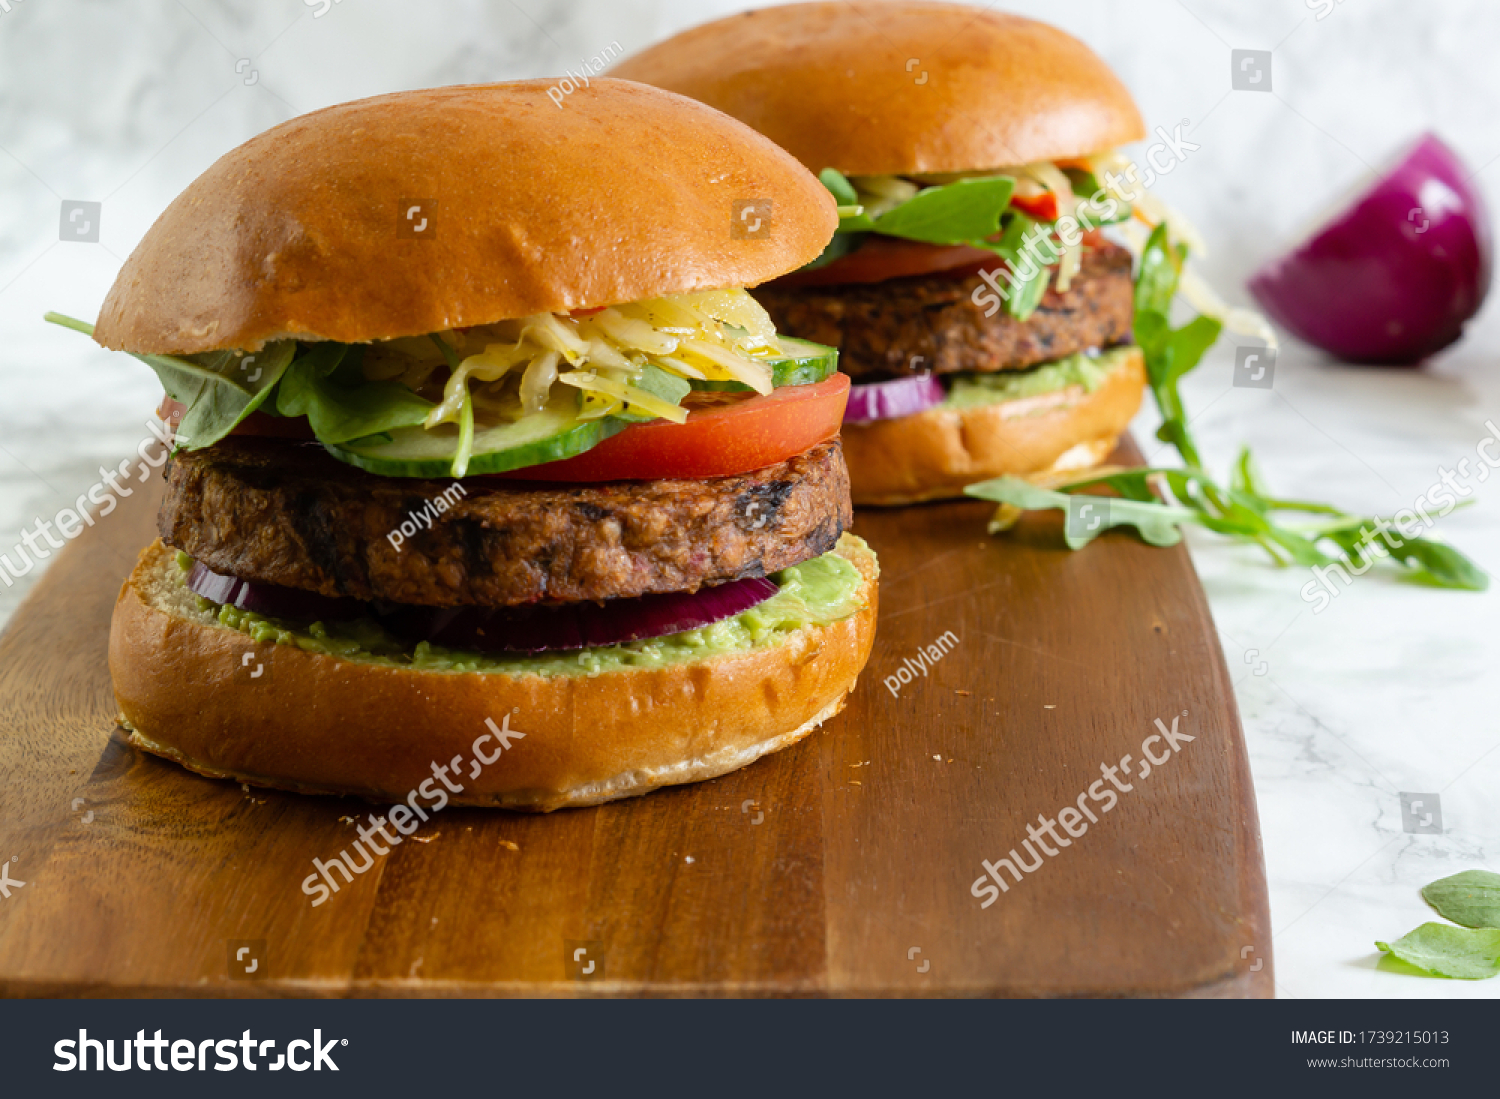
x=1394, y=278
x=888, y=400
x=271, y=600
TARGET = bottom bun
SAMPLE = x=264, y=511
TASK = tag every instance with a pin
x=223, y=705
x=932, y=455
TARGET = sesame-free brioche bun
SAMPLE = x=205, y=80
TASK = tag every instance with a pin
x=217, y=702
x=899, y=87
x=932, y=455
x=533, y=202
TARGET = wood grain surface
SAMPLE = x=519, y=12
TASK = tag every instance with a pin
x=842, y=866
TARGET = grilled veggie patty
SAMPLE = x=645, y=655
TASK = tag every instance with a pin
x=930, y=322
x=286, y=513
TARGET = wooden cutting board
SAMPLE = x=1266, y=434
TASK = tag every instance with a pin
x=842, y=866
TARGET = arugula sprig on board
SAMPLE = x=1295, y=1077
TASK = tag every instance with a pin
x=1158, y=501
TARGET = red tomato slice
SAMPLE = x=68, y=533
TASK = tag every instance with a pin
x=881, y=258
x=715, y=442
x=1042, y=207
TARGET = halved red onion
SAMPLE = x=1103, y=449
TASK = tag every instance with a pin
x=272, y=600
x=576, y=625
x=1394, y=277
x=887, y=400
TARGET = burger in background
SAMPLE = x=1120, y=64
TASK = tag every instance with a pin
x=973, y=296
x=482, y=447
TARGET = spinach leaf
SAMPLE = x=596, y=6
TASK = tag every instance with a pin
x=960, y=212
x=216, y=406
x=218, y=388
x=1471, y=898
x=339, y=413
x=1449, y=951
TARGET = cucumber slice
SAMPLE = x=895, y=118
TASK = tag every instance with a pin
x=804, y=363
x=546, y=436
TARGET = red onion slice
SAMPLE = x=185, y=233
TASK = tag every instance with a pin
x=532, y=629
x=888, y=400
x=270, y=599
x=1394, y=277
x=571, y=626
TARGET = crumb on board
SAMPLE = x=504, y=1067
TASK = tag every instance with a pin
x=424, y=839
x=1046, y=707
x=510, y=845
x=965, y=694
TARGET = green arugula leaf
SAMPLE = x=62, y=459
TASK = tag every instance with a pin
x=1132, y=484
x=838, y=184
x=1433, y=563
x=852, y=218
x=1245, y=510
x=1471, y=898
x=1158, y=275
x=1169, y=353
x=339, y=413
x=1157, y=523
x=1028, y=275
x=1449, y=951
x=963, y=211
x=1438, y=564
x=966, y=211
x=840, y=245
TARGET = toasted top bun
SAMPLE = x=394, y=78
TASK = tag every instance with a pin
x=899, y=87
x=532, y=202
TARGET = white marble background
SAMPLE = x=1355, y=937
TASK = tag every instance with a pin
x=125, y=102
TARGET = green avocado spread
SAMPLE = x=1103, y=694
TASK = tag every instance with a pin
x=973, y=390
x=818, y=592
